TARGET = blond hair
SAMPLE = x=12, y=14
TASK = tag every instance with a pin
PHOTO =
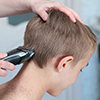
x=58, y=35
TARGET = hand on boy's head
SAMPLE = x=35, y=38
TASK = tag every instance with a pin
x=14, y=7
x=40, y=8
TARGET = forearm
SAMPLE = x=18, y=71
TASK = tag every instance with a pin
x=14, y=7
x=39, y=7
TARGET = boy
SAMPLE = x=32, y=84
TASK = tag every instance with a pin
x=62, y=50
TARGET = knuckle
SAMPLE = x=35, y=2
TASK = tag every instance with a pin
x=39, y=11
x=12, y=67
x=57, y=3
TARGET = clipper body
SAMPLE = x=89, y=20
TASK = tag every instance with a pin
x=19, y=55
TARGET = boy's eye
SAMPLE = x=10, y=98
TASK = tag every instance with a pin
x=86, y=66
x=81, y=70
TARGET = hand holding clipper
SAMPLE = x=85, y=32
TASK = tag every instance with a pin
x=19, y=55
x=14, y=57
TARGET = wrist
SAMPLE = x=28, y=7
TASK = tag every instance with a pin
x=23, y=6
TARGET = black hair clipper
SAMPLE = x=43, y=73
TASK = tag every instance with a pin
x=19, y=55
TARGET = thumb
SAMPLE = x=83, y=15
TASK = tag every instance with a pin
x=42, y=13
x=2, y=55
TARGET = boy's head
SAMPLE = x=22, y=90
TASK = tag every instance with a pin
x=68, y=44
x=58, y=36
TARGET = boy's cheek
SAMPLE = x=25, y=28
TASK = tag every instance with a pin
x=74, y=79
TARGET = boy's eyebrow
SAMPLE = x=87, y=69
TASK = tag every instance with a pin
x=87, y=64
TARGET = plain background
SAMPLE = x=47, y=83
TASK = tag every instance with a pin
x=87, y=85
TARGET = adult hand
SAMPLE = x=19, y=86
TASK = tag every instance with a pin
x=4, y=65
x=41, y=6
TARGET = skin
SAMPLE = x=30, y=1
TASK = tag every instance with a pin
x=32, y=81
x=5, y=65
x=39, y=7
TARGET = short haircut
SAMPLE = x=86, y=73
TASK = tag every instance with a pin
x=58, y=36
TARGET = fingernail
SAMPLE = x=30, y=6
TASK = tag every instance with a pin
x=5, y=54
x=45, y=18
x=74, y=20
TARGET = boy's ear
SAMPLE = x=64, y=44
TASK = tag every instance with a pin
x=64, y=62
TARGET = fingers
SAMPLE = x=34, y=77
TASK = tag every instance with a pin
x=7, y=65
x=64, y=9
x=4, y=65
x=68, y=11
x=41, y=7
x=43, y=14
x=70, y=15
x=2, y=55
x=3, y=72
x=76, y=15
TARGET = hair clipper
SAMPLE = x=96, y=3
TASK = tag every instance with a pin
x=19, y=55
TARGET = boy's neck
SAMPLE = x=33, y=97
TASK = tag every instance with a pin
x=30, y=83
